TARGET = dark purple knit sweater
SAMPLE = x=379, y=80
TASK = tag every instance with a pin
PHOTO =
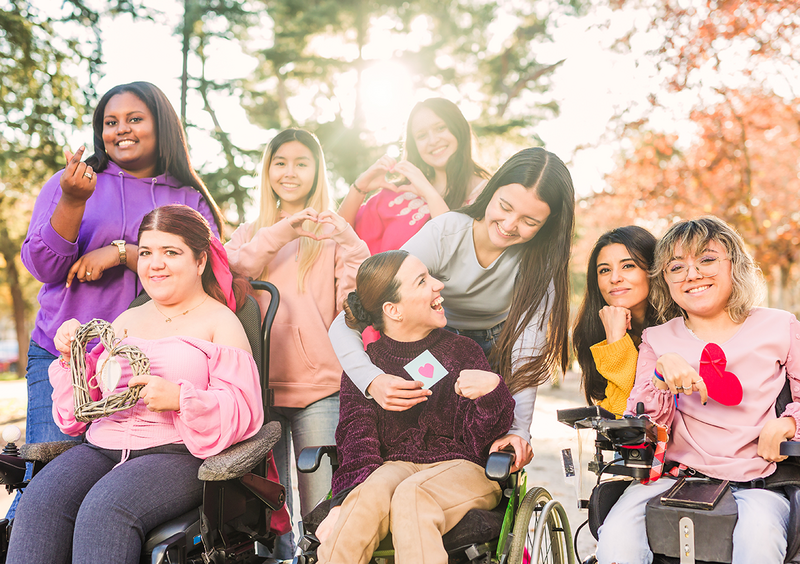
x=446, y=427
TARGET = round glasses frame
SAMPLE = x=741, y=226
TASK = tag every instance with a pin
x=678, y=271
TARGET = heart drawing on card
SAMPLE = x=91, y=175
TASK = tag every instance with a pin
x=723, y=386
x=426, y=370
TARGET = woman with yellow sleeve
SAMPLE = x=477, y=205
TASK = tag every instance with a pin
x=614, y=312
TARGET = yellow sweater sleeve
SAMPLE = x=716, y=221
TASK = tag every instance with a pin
x=617, y=364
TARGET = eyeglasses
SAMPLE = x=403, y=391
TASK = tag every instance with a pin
x=706, y=266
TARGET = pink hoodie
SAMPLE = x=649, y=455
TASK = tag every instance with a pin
x=303, y=367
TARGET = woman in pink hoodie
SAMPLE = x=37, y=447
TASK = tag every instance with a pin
x=312, y=255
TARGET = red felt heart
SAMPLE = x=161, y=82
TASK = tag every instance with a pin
x=723, y=386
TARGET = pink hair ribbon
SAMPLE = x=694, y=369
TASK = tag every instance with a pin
x=222, y=272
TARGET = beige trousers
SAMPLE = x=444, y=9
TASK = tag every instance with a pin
x=418, y=502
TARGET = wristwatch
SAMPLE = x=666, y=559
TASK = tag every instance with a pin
x=123, y=254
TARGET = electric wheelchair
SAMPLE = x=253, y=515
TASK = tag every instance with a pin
x=686, y=535
x=233, y=523
x=527, y=527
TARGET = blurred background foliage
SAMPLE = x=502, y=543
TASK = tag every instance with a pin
x=734, y=63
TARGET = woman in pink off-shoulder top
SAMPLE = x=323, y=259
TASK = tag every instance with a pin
x=712, y=375
x=138, y=468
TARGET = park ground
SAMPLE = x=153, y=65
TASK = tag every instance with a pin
x=549, y=437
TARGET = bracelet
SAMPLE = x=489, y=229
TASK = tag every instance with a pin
x=359, y=190
x=63, y=362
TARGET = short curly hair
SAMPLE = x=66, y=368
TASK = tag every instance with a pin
x=693, y=235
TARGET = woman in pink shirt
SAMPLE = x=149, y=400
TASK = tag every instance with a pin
x=437, y=175
x=712, y=374
x=311, y=255
x=138, y=468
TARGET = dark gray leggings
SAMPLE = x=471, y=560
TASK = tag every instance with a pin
x=80, y=509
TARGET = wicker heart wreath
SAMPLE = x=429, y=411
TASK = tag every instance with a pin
x=87, y=410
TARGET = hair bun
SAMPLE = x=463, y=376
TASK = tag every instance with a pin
x=357, y=309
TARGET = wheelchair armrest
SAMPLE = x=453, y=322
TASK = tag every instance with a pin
x=237, y=460
x=790, y=448
x=45, y=452
x=498, y=466
x=311, y=457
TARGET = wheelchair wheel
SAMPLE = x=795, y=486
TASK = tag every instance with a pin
x=541, y=531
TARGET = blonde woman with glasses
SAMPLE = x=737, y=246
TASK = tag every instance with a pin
x=712, y=374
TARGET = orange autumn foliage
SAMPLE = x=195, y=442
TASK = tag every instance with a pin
x=744, y=166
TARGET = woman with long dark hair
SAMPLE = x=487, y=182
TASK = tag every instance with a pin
x=81, y=243
x=437, y=174
x=614, y=312
x=504, y=264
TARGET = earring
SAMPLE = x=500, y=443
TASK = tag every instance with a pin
x=399, y=318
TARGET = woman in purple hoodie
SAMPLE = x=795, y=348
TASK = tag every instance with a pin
x=81, y=243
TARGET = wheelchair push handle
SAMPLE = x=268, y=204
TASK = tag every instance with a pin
x=499, y=464
x=311, y=457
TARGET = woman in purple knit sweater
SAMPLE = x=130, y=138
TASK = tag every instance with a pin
x=415, y=472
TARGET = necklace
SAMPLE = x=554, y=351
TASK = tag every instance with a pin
x=169, y=319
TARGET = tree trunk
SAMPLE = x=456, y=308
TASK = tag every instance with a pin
x=17, y=299
x=187, y=29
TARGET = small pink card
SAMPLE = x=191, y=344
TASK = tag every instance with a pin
x=426, y=369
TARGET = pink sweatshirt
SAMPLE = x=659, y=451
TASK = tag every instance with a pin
x=717, y=440
x=220, y=401
x=303, y=367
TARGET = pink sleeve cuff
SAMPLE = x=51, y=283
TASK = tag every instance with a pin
x=793, y=410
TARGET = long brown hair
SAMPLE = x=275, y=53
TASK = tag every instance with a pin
x=543, y=261
x=460, y=167
x=588, y=329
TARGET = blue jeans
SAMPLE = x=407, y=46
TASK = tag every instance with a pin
x=314, y=425
x=82, y=509
x=39, y=425
x=486, y=338
x=759, y=534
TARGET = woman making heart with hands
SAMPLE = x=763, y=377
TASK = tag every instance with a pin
x=436, y=175
x=738, y=357
x=311, y=255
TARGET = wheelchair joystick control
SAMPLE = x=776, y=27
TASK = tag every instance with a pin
x=11, y=434
x=640, y=408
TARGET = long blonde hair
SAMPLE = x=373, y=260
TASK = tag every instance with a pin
x=317, y=198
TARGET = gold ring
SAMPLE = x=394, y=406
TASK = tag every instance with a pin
x=88, y=274
x=88, y=175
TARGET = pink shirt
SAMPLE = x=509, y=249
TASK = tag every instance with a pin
x=220, y=398
x=388, y=219
x=718, y=440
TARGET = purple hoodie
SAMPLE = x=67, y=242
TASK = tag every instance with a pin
x=114, y=211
